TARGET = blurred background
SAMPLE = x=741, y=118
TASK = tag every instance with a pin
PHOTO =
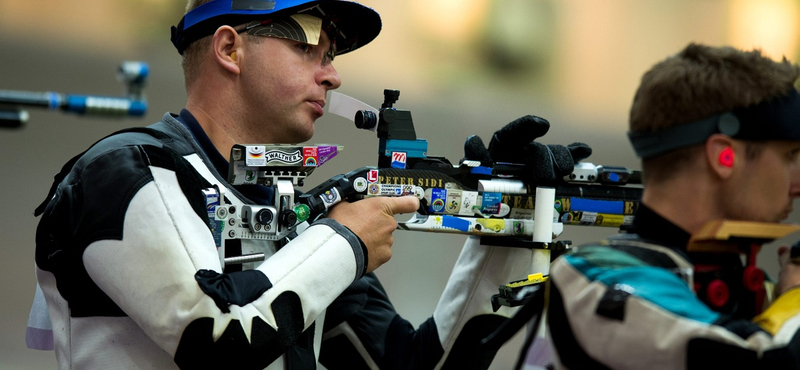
x=463, y=67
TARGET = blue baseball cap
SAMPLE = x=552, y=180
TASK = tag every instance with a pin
x=350, y=25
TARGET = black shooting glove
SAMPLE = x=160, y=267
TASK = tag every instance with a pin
x=515, y=143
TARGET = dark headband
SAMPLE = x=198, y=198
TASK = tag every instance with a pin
x=774, y=119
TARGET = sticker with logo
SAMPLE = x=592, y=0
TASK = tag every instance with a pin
x=221, y=213
x=325, y=153
x=391, y=190
x=294, y=157
x=360, y=184
x=310, y=156
x=410, y=190
x=255, y=156
x=250, y=176
x=374, y=189
x=372, y=176
x=399, y=159
x=469, y=199
x=213, y=207
x=490, y=203
x=212, y=200
x=558, y=207
x=453, y=204
x=438, y=198
x=518, y=228
x=330, y=197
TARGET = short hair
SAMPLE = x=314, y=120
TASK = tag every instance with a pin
x=193, y=55
x=701, y=81
x=698, y=82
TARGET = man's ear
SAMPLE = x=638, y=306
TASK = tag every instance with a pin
x=720, y=151
x=227, y=48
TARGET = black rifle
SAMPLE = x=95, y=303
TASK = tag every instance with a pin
x=497, y=203
x=469, y=198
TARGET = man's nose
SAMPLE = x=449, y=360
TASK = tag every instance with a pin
x=329, y=77
x=794, y=187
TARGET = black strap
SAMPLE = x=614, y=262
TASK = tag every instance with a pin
x=531, y=310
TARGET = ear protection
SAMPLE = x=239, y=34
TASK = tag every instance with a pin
x=233, y=56
x=726, y=157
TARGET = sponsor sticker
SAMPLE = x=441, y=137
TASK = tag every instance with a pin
x=518, y=228
x=392, y=190
x=372, y=176
x=330, y=197
x=490, y=204
x=310, y=158
x=255, y=156
x=399, y=160
x=216, y=214
x=438, y=198
x=281, y=156
x=453, y=204
x=250, y=177
x=469, y=199
x=374, y=189
x=212, y=200
x=360, y=184
x=325, y=153
x=221, y=213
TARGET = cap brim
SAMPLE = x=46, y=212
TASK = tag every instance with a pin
x=359, y=24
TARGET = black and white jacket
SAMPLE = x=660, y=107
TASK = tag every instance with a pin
x=132, y=277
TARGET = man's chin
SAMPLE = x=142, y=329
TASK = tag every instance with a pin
x=305, y=138
x=783, y=217
x=305, y=132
